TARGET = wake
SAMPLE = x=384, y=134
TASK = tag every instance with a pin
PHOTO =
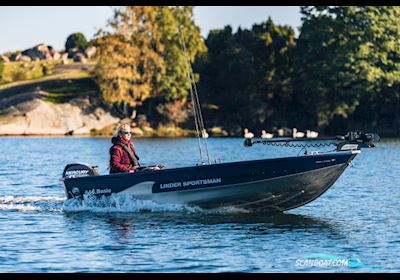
x=116, y=203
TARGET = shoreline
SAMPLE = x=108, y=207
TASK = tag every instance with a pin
x=388, y=138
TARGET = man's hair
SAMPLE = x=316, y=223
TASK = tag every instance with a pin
x=120, y=127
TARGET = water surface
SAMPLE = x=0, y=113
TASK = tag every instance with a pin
x=359, y=217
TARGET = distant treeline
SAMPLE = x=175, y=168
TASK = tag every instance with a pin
x=341, y=73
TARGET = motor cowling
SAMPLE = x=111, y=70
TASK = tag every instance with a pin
x=74, y=170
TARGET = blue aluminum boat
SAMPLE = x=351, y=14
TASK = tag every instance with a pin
x=277, y=184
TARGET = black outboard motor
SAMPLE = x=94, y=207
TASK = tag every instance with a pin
x=74, y=170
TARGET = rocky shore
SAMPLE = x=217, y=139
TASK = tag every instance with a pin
x=31, y=115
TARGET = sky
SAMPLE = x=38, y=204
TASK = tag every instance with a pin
x=24, y=27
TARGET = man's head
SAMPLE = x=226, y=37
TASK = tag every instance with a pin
x=125, y=131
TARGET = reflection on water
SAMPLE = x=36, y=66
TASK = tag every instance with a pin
x=255, y=223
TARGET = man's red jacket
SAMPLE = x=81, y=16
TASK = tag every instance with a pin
x=119, y=158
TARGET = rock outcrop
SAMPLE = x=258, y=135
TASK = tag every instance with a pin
x=25, y=58
x=90, y=52
x=41, y=52
x=46, y=52
x=30, y=114
x=81, y=55
x=4, y=58
x=64, y=59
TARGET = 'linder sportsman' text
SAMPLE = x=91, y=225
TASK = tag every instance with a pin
x=190, y=183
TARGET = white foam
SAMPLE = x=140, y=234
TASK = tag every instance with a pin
x=91, y=203
x=19, y=207
x=122, y=203
x=27, y=199
x=226, y=210
x=128, y=203
x=31, y=203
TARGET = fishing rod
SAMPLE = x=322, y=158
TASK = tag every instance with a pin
x=199, y=123
x=351, y=141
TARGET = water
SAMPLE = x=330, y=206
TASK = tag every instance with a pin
x=358, y=218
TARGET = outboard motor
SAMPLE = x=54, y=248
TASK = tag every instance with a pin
x=74, y=170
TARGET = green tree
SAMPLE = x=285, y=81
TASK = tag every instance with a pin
x=377, y=65
x=271, y=46
x=176, y=24
x=246, y=77
x=76, y=40
x=321, y=66
x=346, y=60
x=223, y=79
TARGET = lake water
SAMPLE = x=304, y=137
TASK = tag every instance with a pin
x=357, y=220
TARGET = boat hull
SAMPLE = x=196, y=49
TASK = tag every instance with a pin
x=268, y=185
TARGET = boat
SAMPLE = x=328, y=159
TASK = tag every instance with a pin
x=277, y=184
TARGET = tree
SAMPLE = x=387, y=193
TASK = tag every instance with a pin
x=320, y=59
x=141, y=60
x=129, y=63
x=346, y=58
x=224, y=79
x=271, y=46
x=76, y=40
x=246, y=77
x=378, y=68
x=177, y=26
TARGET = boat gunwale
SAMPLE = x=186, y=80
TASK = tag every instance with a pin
x=169, y=170
x=270, y=179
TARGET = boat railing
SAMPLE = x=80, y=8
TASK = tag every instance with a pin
x=353, y=140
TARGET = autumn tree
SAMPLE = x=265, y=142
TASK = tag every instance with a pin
x=141, y=61
x=130, y=62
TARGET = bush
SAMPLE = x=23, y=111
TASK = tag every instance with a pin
x=18, y=76
x=1, y=70
x=18, y=71
x=46, y=70
x=173, y=113
x=76, y=40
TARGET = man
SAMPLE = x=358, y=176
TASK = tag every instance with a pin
x=123, y=157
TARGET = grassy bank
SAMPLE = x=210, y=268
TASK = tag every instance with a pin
x=19, y=74
x=25, y=71
x=72, y=89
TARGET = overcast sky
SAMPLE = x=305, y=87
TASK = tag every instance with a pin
x=25, y=27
